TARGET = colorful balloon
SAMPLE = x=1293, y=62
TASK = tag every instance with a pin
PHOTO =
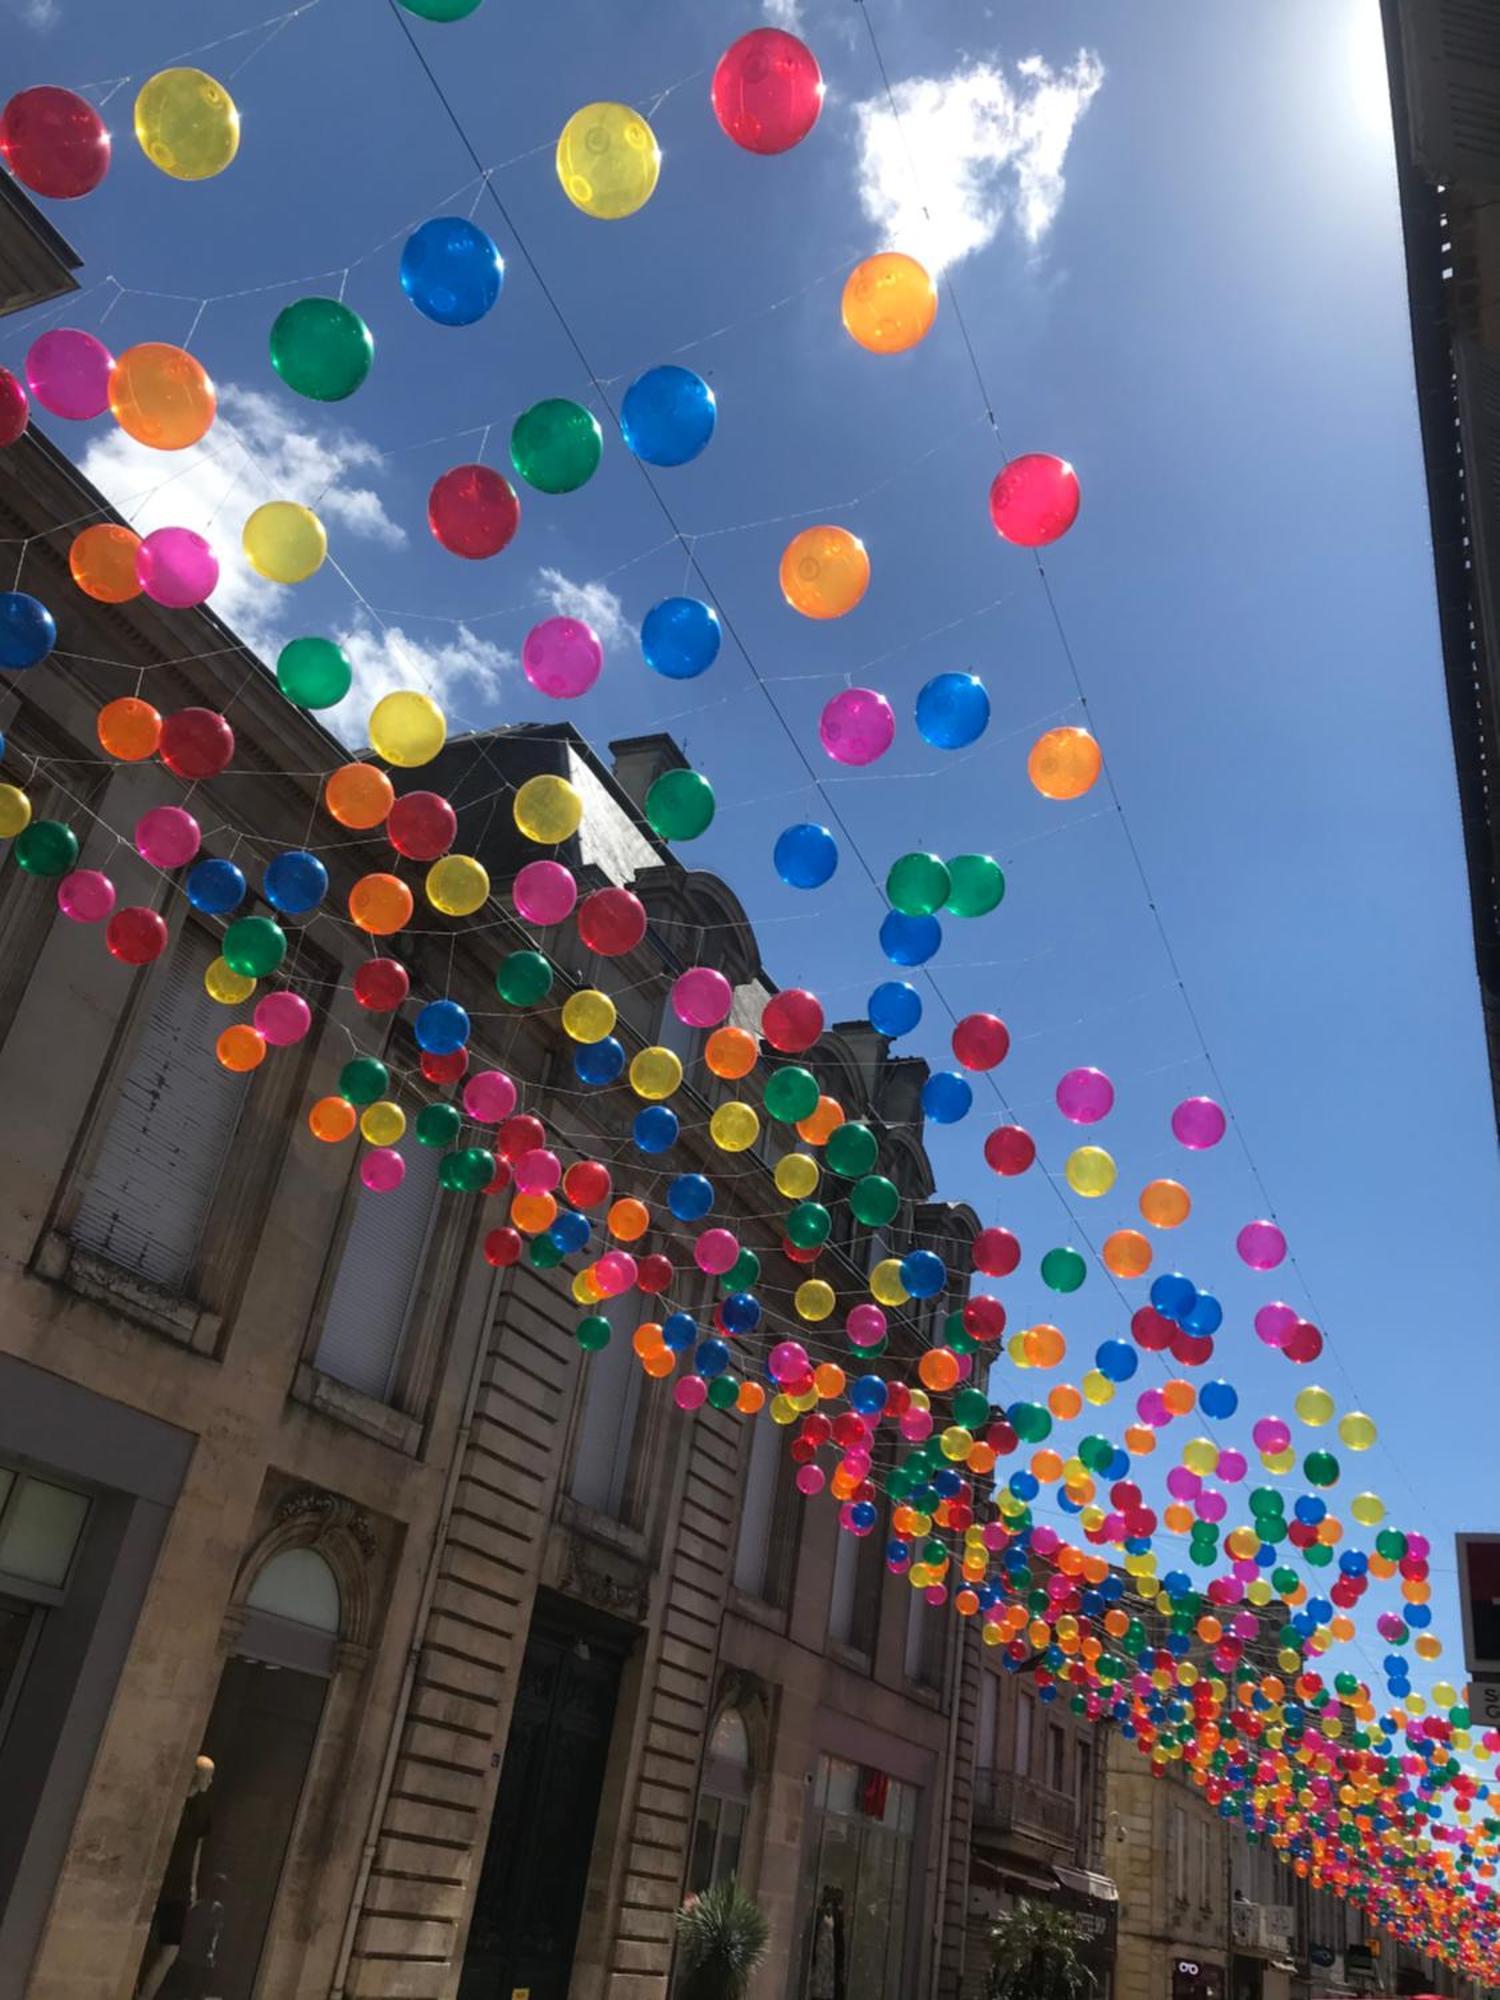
x=792, y=1021
x=894, y=1008
x=167, y=837
x=890, y=303
x=177, y=568
x=473, y=512
x=562, y=658
x=136, y=936
x=544, y=892
x=680, y=638
x=295, y=882
x=458, y=885
x=1064, y=763
x=43, y=846
x=608, y=161
x=129, y=729
x=15, y=410
x=857, y=726
x=284, y=542
x=407, y=728
x=611, y=922
x=523, y=979
x=953, y=711
x=980, y=1042
x=314, y=673
x=359, y=796
x=680, y=805
x=27, y=631
x=805, y=856
x=282, y=1019
x=701, y=997
x=1034, y=500
x=825, y=571
x=947, y=1097
x=196, y=742
x=54, y=142
x=547, y=809
x=161, y=396
x=1084, y=1096
x=187, y=124
x=767, y=91
x=556, y=445
x=102, y=562
x=918, y=884
x=86, y=896
x=1198, y=1123
x=977, y=886
x=667, y=415
x=451, y=270
x=380, y=904
x=1261, y=1245
x=321, y=349
x=67, y=372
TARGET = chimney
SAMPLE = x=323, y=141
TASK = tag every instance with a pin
x=638, y=761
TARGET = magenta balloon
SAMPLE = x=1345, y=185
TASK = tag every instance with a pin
x=177, y=568
x=1231, y=1466
x=616, y=1272
x=811, y=1479
x=67, y=372
x=1085, y=1096
x=788, y=1361
x=865, y=1325
x=857, y=726
x=544, y=892
x=167, y=837
x=1183, y=1484
x=691, y=1393
x=489, y=1096
x=701, y=997
x=562, y=657
x=382, y=1169
x=538, y=1172
x=1152, y=1409
x=716, y=1251
x=916, y=1425
x=86, y=896
x=1198, y=1123
x=1274, y=1322
x=283, y=1018
x=1210, y=1505
x=1261, y=1245
x=1271, y=1434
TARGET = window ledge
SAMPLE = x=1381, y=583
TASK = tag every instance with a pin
x=359, y=1412
x=851, y=1657
x=95, y=1277
x=923, y=1691
x=756, y=1609
x=601, y=1528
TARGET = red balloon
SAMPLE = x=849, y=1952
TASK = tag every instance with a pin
x=587, y=1184
x=1034, y=499
x=1000, y=1437
x=421, y=825
x=196, y=743
x=793, y=1020
x=981, y=1041
x=1192, y=1350
x=800, y=1253
x=54, y=142
x=501, y=1178
x=520, y=1135
x=380, y=985
x=1010, y=1149
x=984, y=1317
x=15, y=410
x=654, y=1273
x=1303, y=1343
x=502, y=1248
x=136, y=936
x=1151, y=1330
x=767, y=91
x=996, y=1252
x=445, y=1068
x=611, y=921
x=473, y=512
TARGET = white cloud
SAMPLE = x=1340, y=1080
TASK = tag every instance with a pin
x=783, y=14
x=40, y=14
x=970, y=151
x=462, y=674
x=595, y=603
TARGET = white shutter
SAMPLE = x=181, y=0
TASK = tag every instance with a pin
x=841, y=1595
x=757, y=1505
x=606, y=1425
x=381, y=1261
x=168, y=1135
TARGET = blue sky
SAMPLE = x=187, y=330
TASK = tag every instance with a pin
x=1197, y=294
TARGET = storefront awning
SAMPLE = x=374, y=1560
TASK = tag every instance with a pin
x=1086, y=1882
x=1008, y=1874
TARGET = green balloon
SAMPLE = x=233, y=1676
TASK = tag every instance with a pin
x=918, y=885
x=468, y=1171
x=875, y=1201
x=723, y=1392
x=545, y=1255
x=1064, y=1270
x=743, y=1274
x=808, y=1224
x=592, y=1333
x=524, y=978
x=363, y=1079
x=313, y=673
x=46, y=847
x=555, y=446
x=971, y=1408
x=680, y=805
x=438, y=1124
x=321, y=349
x=1322, y=1469
x=960, y=1342
x=976, y=885
x=1096, y=1452
x=1391, y=1544
x=791, y=1093
x=441, y=10
x=852, y=1150
x=1030, y=1422
x=254, y=946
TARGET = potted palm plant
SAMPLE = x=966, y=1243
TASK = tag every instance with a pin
x=721, y=1937
x=1035, y=1954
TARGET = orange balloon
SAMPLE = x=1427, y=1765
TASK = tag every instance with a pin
x=824, y=572
x=1126, y=1254
x=889, y=304
x=1177, y=1518
x=647, y=1338
x=241, y=1047
x=380, y=904
x=1064, y=1402
x=828, y=1379
x=1139, y=1440
x=1045, y=1345
x=129, y=729
x=982, y=1457
x=161, y=396
x=659, y=1362
x=1165, y=1204
x=359, y=795
x=938, y=1368
x=629, y=1220
x=1064, y=763
x=821, y=1122
x=331, y=1118
x=532, y=1213
x=102, y=560
x=1179, y=1396
x=751, y=1400
x=730, y=1053
x=1046, y=1465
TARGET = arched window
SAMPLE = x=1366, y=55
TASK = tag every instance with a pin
x=723, y=1804
x=298, y=1585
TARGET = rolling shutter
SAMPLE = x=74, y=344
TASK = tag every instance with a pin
x=372, y=1294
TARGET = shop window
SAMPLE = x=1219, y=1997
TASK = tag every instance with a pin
x=370, y=1302
x=604, y=1444
x=41, y=1526
x=856, y=1943
x=723, y=1805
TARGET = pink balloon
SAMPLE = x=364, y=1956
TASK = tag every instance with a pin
x=176, y=568
x=716, y=1251
x=283, y=1018
x=544, y=892
x=865, y=1325
x=382, y=1169
x=1261, y=1245
x=788, y=1360
x=857, y=726
x=691, y=1393
x=167, y=836
x=1231, y=1466
x=1274, y=1322
x=1198, y=1123
x=1183, y=1484
x=616, y=1272
x=538, y=1172
x=68, y=372
x=701, y=997
x=562, y=657
x=811, y=1479
x=1210, y=1505
x=1085, y=1096
x=86, y=896
x=916, y=1426
x=489, y=1096
x=1271, y=1434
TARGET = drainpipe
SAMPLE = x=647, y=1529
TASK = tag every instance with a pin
x=960, y=1630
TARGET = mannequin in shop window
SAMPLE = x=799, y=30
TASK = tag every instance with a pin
x=826, y=1979
x=179, y=1885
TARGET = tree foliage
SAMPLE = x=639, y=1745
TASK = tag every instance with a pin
x=722, y=1936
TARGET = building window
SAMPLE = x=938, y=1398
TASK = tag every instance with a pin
x=723, y=1805
x=866, y=1824
x=1024, y=1707
x=41, y=1525
x=1057, y=1756
x=989, y=1716
x=922, y=1634
x=1177, y=1851
x=765, y=1553
x=1085, y=1768
x=370, y=1301
x=604, y=1444
x=299, y=1586
x=158, y=1162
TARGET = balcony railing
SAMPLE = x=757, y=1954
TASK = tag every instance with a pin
x=1009, y=1802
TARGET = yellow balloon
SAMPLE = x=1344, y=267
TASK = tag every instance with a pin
x=956, y=1443
x=1090, y=1171
x=547, y=809
x=15, y=811
x=588, y=1015
x=734, y=1127
x=1015, y=1348
x=608, y=161
x=225, y=985
x=1096, y=1385
x=186, y=123
x=284, y=542
x=1279, y=1462
x=1313, y=1405
x=796, y=1176
x=586, y=1287
x=814, y=1299
x=655, y=1074
x=1357, y=1430
x=889, y=303
x=886, y=1287
x=1200, y=1455
x=1368, y=1509
x=407, y=728
x=458, y=885
x=382, y=1123
x=1445, y=1694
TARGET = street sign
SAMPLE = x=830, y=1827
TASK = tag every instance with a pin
x=1479, y=1597
x=1484, y=1701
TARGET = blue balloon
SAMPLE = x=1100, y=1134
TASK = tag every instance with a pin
x=740, y=1312
x=668, y=415
x=599, y=1062
x=805, y=855
x=1116, y=1360
x=953, y=711
x=947, y=1097
x=923, y=1273
x=690, y=1197
x=451, y=270
x=295, y=882
x=1205, y=1315
x=441, y=1028
x=897, y=1553
x=712, y=1357
x=862, y=1516
x=679, y=1331
x=947, y=1481
x=655, y=1129
x=215, y=887
x=570, y=1231
x=909, y=940
x=895, y=1008
x=1173, y=1295
x=27, y=630
x=1024, y=1485
x=2, y=742
x=867, y=1394
x=680, y=638
x=1218, y=1399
